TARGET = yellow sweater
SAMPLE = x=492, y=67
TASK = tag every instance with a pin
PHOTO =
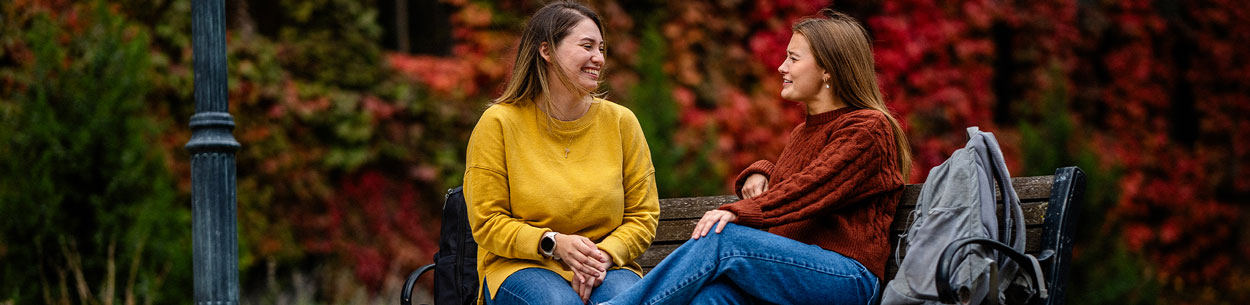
x=595, y=180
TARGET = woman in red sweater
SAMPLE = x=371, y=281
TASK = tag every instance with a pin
x=813, y=227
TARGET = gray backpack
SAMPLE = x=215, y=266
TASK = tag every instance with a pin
x=955, y=214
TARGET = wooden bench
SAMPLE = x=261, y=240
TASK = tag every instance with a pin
x=1049, y=204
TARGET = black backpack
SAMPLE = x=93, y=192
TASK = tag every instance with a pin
x=455, y=263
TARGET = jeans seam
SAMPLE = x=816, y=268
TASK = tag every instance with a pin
x=669, y=293
x=514, y=295
x=876, y=290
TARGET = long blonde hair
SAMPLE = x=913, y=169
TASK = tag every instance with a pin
x=841, y=46
x=549, y=25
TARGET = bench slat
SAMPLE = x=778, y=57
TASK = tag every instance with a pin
x=676, y=230
x=691, y=207
x=1032, y=239
x=1027, y=188
x=1034, y=214
x=655, y=254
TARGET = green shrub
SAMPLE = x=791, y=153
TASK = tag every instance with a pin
x=88, y=207
x=679, y=171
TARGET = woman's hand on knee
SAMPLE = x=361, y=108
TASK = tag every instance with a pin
x=585, y=284
x=713, y=218
x=581, y=286
x=580, y=254
x=754, y=186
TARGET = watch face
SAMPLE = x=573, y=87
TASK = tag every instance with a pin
x=548, y=244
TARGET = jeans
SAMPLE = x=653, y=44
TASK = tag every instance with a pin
x=742, y=265
x=542, y=286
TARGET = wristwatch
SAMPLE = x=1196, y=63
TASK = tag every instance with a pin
x=548, y=245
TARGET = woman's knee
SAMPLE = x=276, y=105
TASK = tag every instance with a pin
x=616, y=282
x=535, y=286
x=732, y=234
x=536, y=294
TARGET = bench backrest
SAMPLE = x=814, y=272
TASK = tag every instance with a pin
x=1049, y=204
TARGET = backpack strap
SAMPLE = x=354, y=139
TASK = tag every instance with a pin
x=1011, y=225
x=1013, y=217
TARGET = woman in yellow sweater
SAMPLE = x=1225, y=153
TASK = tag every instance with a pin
x=559, y=184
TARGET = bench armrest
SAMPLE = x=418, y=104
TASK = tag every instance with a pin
x=405, y=296
x=1028, y=264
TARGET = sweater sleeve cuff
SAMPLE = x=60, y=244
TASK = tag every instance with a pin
x=763, y=167
x=616, y=250
x=749, y=213
x=527, y=240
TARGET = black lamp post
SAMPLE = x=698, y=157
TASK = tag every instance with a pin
x=212, y=147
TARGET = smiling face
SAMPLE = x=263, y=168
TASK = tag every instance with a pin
x=580, y=55
x=802, y=78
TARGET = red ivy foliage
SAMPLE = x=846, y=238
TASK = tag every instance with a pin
x=935, y=66
x=1173, y=106
x=741, y=100
x=376, y=220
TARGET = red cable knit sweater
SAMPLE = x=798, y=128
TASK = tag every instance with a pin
x=835, y=185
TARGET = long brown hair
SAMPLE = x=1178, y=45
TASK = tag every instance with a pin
x=549, y=25
x=841, y=46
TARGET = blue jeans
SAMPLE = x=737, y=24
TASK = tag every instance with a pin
x=542, y=286
x=742, y=265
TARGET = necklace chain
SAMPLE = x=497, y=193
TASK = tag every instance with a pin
x=568, y=140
